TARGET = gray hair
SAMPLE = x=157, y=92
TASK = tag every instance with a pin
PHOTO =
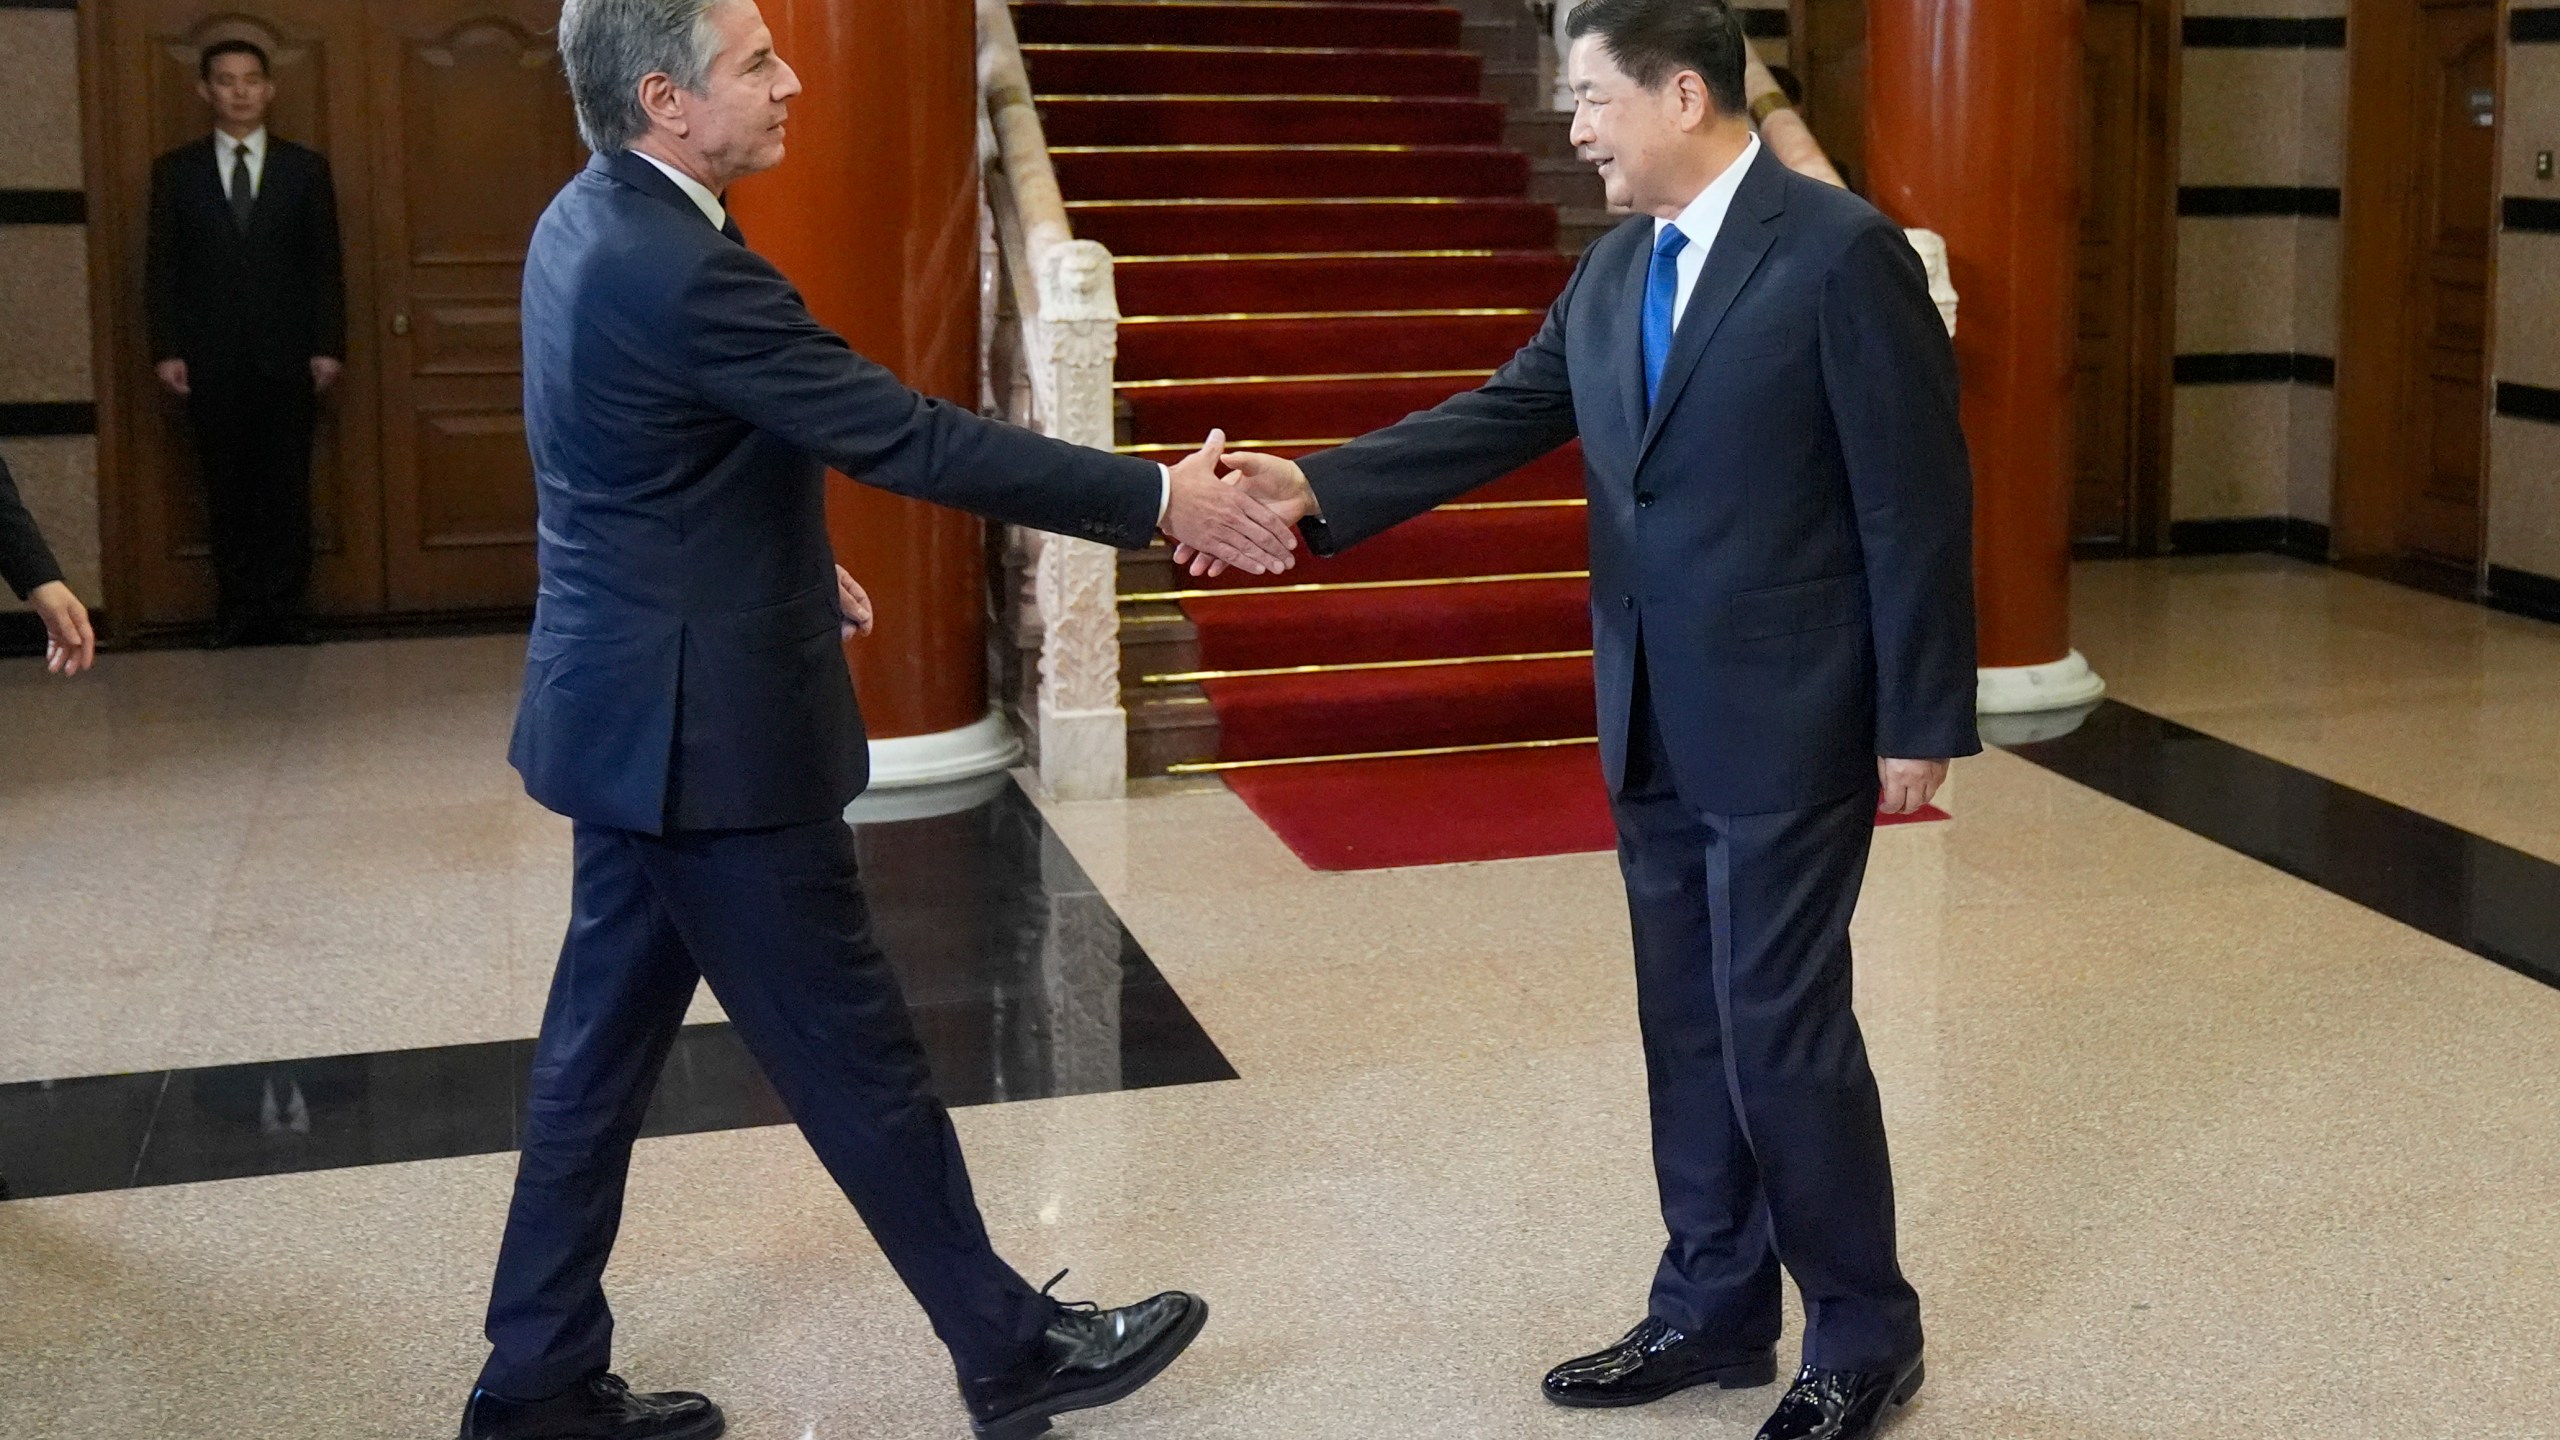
x=608, y=46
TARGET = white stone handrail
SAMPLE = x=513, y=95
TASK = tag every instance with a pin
x=1053, y=326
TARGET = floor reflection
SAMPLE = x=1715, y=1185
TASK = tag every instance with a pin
x=1023, y=983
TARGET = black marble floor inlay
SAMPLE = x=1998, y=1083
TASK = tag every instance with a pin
x=2494, y=901
x=1023, y=982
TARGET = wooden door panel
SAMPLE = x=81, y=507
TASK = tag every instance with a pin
x=2103, y=500
x=484, y=136
x=2456, y=213
x=161, y=569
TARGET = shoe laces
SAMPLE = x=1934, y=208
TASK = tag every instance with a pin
x=1082, y=1307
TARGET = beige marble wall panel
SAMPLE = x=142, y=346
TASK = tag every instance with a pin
x=2324, y=118
x=2528, y=339
x=2312, y=451
x=2240, y=117
x=2524, y=495
x=2235, y=284
x=2232, y=455
x=40, y=124
x=2532, y=118
x=44, y=313
x=2316, y=277
x=58, y=478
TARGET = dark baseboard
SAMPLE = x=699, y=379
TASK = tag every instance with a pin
x=2521, y=592
x=2220, y=32
x=2317, y=201
x=2253, y=535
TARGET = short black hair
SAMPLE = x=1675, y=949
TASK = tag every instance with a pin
x=220, y=48
x=1653, y=40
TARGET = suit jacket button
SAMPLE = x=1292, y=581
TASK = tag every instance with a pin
x=1626, y=602
x=1644, y=497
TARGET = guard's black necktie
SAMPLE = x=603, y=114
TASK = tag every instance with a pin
x=244, y=196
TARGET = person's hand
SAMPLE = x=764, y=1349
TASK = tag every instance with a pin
x=1211, y=515
x=853, y=606
x=325, y=370
x=1908, y=784
x=70, y=645
x=1277, y=483
x=173, y=374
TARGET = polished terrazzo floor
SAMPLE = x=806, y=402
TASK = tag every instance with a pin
x=2187, y=1147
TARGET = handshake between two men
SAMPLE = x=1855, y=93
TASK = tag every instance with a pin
x=1234, y=511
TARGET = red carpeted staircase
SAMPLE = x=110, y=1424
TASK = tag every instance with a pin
x=1319, y=229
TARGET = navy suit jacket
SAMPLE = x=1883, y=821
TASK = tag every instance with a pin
x=1785, y=538
x=683, y=407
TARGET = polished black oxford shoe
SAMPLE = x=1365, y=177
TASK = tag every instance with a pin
x=1087, y=1358
x=1656, y=1359
x=1841, y=1404
x=599, y=1407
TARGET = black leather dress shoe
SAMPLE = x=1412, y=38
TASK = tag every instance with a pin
x=599, y=1407
x=1086, y=1358
x=1841, y=1404
x=1655, y=1360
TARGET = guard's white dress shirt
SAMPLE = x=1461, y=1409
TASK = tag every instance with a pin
x=226, y=154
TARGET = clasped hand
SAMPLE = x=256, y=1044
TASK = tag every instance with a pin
x=1216, y=523
x=1278, y=486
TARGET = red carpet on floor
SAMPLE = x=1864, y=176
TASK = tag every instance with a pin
x=1444, y=809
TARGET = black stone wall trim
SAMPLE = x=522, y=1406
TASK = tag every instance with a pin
x=2498, y=903
x=2253, y=368
x=2254, y=535
x=2534, y=25
x=39, y=4
x=2528, y=402
x=2526, y=212
x=2319, y=201
x=2233, y=32
x=2521, y=592
x=48, y=417
x=43, y=207
x=1763, y=24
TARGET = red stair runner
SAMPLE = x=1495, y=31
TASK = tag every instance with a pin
x=1319, y=232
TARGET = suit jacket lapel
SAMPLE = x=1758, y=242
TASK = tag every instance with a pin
x=1630, y=313
x=1750, y=228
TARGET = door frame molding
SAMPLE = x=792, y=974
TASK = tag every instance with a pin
x=2373, y=443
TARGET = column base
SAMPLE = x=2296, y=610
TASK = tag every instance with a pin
x=983, y=748
x=2026, y=689
x=1084, y=754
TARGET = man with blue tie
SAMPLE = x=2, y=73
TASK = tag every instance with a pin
x=687, y=704
x=1783, y=641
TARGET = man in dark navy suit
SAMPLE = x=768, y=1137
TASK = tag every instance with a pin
x=687, y=703
x=248, y=323
x=1783, y=637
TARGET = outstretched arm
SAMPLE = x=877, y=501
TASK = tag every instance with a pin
x=758, y=354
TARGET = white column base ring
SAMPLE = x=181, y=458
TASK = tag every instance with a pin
x=983, y=748
x=2061, y=684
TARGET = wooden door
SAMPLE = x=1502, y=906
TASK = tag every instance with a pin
x=476, y=133
x=1829, y=54
x=2447, y=404
x=2119, y=391
x=159, y=575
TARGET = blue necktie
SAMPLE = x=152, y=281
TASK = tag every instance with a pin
x=1661, y=292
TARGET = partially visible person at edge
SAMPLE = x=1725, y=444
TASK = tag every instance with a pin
x=27, y=564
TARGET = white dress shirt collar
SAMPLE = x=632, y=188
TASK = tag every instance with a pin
x=694, y=190
x=226, y=149
x=1703, y=221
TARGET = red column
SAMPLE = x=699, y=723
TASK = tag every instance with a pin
x=1974, y=114
x=874, y=215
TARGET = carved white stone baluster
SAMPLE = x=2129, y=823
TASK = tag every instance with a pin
x=1084, y=732
x=1942, y=285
